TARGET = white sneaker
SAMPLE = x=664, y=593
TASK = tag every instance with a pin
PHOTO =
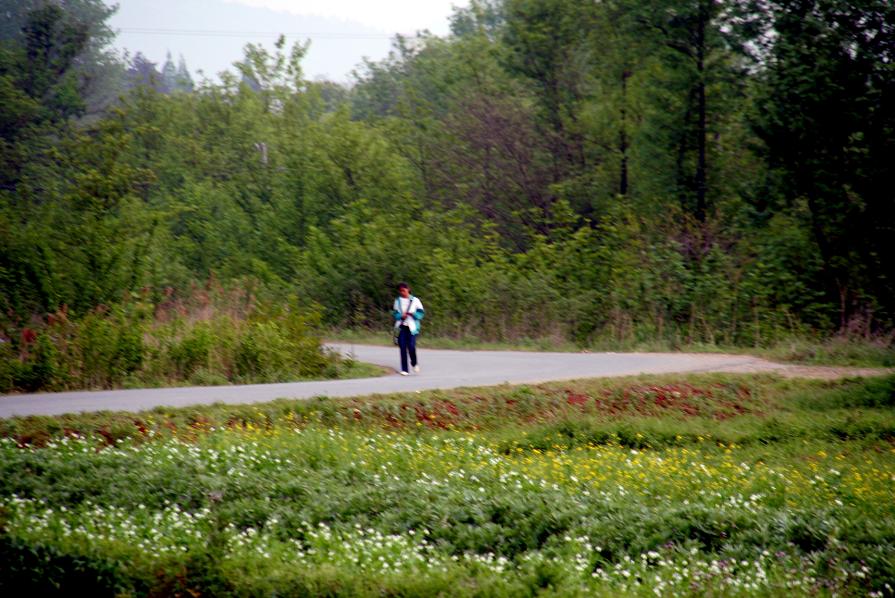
x=404, y=374
x=416, y=369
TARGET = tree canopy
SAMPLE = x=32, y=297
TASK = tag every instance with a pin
x=692, y=170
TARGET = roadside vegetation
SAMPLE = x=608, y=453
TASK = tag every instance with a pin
x=713, y=484
x=209, y=336
x=832, y=351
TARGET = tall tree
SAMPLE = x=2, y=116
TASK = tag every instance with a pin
x=694, y=92
x=169, y=75
x=546, y=42
x=826, y=114
x=39, y=84
x=63, y=191
x=98, y=69
x=184, y=79
x=142, y=72
x=620, y=59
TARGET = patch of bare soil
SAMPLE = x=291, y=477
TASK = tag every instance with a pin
x=821, y=372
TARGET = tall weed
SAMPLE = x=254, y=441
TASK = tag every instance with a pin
x=211, y=335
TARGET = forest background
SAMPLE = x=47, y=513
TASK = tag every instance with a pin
x=617, y=174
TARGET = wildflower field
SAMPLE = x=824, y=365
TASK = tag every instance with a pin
x=699, y=485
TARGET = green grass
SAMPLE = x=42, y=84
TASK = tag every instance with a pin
x=688, y=485
x=834, y=351
x=341, y=369
x=360, y=369
x=384, y=338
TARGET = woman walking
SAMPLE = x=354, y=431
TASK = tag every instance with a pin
x=408, y=311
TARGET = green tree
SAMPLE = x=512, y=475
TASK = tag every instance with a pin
x=169, y=75
x=547, y=44
x=694, y=91
x=184, y=79
x=826, y=115
x=98, y=70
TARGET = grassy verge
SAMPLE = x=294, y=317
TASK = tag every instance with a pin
x=367, y=337
x=340, y=369
x=835, y=351
x=360, y=369
x=711, y=484
x=207, y=338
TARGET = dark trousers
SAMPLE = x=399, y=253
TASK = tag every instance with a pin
x=407, y=344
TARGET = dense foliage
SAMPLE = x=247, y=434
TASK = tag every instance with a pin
x=613, y=172
x=209, y=336
x=720, y=485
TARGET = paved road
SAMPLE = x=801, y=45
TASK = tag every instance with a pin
x=440, y=369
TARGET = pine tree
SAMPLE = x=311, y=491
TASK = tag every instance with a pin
x=143, y=72
x=184, y=80
x=169, y=75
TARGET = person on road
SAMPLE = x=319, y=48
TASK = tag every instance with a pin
x=408, y=311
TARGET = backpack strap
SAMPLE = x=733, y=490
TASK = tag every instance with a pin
x=409, y=305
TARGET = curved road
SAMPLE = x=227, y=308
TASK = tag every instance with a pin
x=440, y=369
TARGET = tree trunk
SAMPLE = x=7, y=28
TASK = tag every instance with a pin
x=700, y=91
x=623, y=137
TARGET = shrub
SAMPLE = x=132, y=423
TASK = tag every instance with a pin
x=210, y=336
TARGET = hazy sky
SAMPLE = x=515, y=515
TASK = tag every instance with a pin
x=210, y=34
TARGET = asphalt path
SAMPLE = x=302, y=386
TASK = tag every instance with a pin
x=439, y=369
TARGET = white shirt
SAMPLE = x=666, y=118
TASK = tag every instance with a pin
x=404, y=303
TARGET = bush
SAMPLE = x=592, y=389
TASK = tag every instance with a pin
x=207, y=337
